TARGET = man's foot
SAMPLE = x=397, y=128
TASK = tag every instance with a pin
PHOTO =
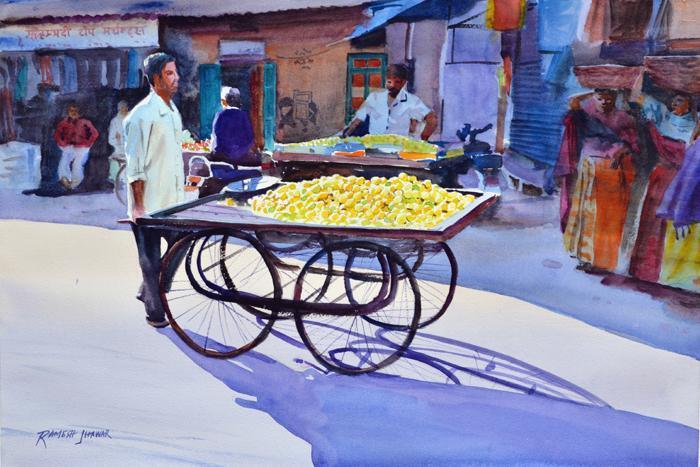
x=158, y=323
x=65, y=183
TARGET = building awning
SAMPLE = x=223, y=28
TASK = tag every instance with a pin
x=382, y=13
x=19, y=10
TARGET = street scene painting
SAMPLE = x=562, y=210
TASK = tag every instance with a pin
x=350, y=232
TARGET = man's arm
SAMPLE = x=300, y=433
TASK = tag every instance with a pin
x=430, y=126
x=360, y=115
x=352, y=127
x=137, y=188
x=92, y=131
x=135, y=138
x=60, y=133
x=114, y=134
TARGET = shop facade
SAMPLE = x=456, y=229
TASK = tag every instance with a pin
x=93, y=62
x=298, y=78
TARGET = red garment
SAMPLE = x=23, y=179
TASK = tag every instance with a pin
x=79, y=132
x=622, y=124
x=566, y=167
x=648, y=250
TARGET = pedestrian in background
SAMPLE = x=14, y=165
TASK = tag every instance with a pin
x=74, y=135
x=116, y=139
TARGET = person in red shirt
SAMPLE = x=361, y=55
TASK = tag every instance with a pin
x=74, y=135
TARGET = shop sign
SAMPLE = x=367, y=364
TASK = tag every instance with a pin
x=80, y=35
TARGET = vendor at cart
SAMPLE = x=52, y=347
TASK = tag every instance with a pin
x=395, y=110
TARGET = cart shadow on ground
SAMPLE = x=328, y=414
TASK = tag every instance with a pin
x=444, y=401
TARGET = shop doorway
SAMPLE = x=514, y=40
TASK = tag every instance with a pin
x=247, y=77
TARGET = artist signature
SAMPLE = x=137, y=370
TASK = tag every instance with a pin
x=70, y=434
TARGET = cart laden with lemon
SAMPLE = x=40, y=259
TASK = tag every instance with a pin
x=358, y=264
x=369, y=156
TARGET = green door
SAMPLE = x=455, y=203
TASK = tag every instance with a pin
x=209, y=97
x=269, y=104
x=366, y=73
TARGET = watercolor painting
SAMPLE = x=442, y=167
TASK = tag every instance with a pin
x=350, y=232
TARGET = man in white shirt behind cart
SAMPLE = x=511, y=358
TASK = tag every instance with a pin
x=395, y=110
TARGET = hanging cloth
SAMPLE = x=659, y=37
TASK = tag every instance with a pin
x=71, y=74
x=503, y=15
x=132, y=73
x=55, y=71
x=7, y=123
x=21, y=84
x=45, y=69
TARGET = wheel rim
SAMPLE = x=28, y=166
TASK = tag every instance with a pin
x=434, y=263
x=430, y=264
x=208, y=322
x=350, y=344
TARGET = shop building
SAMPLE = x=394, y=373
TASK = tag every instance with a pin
x=93, y=62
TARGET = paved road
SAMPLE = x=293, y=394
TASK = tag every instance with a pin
x=77, y=355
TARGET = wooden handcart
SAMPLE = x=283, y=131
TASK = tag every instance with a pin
x=356, y=294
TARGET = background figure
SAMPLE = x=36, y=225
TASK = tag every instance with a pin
x=596, y=156
x=116, y=139
x=232, y=142
x=232, y=137
x=670, y=131
x=394, y=110
x=74, y=135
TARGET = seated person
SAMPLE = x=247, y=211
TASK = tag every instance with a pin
x=232, y=139
x=232, y=142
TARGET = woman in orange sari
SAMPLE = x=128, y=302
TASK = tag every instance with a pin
x=596, y=163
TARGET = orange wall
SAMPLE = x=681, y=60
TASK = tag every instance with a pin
x=300, y=44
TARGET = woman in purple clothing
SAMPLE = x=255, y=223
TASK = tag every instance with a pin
x=232, y=140
x=233, y=143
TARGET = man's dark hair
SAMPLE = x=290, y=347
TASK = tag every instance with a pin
x=71, y=104
x=154, y=64
x=398, y=70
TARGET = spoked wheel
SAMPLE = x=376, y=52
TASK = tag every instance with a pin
x=341, y=338
x=432, y=264
x=121, y=185
x=289, y=252
x=205, y=268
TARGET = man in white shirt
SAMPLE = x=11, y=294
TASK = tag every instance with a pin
x=153, y=147
x=395, y=110
x=116, y=139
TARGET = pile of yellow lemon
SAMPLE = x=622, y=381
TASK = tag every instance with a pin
x=404, y=142
x=401, y=201
x=369, y=141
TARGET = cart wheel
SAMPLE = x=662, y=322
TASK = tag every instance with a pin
x=121, y=185
x=344, y=341
x=289, y=252
x=430, y=263
x=434, y=262
x=196, y=304
x=220, y=256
